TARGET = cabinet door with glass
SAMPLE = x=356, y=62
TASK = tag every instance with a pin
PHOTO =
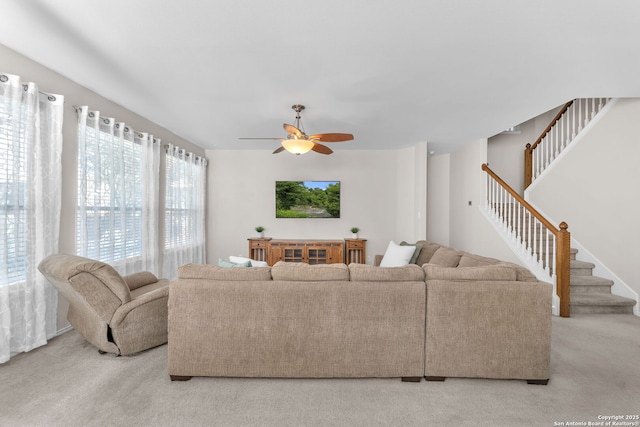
x=309, y=251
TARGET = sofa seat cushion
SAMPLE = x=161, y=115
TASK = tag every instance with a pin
x=214, y=272
x=302, y=272
x=485, y=272
x=370, y=273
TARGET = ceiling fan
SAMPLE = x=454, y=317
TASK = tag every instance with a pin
x=298, y=142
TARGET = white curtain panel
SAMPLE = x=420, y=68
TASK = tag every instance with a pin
x=118, y=174
x=30, y=180
x=185, y=189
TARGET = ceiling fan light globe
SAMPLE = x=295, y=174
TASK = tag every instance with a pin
x=297, y=146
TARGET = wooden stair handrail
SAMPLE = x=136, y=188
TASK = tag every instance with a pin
x=552, y=124
x=528, y=151
x=522, y=201
x=563, y=245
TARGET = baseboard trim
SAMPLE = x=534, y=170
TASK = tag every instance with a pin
x=63, y=330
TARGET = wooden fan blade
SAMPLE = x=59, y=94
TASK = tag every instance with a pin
x=332, y=137
x=278, y=150
x=293, y=130
x=319, y=148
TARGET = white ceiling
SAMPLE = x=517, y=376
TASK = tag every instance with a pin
x=393, y=73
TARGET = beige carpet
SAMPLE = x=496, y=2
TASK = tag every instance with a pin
x=595, y=372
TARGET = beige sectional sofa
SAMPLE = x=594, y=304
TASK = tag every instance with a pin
x=296, y=320
x=299, y=321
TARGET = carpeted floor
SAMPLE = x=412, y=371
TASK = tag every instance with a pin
x=595, y=373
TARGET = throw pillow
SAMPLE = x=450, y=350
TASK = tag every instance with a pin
x=396, y=255
x=416, y=253
x=223, y=263
x=241, y=260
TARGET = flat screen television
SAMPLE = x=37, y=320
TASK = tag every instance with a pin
x=307, y=199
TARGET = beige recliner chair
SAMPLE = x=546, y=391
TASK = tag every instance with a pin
x=121, y=315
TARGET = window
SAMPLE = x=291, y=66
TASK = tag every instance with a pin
x=184, y=225
x=110, y=188
x=117, y=194
x=13, y=212
x=30, y=197
x=181, y=228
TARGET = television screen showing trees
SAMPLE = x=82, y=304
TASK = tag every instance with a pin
x=307, y=199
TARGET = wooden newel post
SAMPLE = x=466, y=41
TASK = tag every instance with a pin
x=563, y=267
x=528, y=165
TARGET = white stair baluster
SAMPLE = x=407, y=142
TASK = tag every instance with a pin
x=573, y=127
x=579, y=115
x=546, y=256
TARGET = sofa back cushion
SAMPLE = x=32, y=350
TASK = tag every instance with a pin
x=446, y=257
x=140, y=279
x=473, y=260
x=214, y=272
x=370, y=273
x=302, y=272
x=485, y=272
x=427, y=251
x=523, y=273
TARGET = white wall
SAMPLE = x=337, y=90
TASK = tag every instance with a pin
x=505, y=154
x=594, y=188
x=374, y=184
x=411, y=184
x=74, y=94
x=469, y=229
x=438, y=198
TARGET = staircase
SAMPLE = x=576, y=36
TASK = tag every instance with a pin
x=542, y=246
x=591, y=294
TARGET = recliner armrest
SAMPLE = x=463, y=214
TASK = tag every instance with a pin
x=137, y=280
x=144, y=299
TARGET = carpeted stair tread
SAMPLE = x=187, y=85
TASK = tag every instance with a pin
x=590, y=281
x=581, y=264
x=592, y=295
x=601, y=299
x=581, y=268
x=590, y=285
x=600, y=303
x=573, y=252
